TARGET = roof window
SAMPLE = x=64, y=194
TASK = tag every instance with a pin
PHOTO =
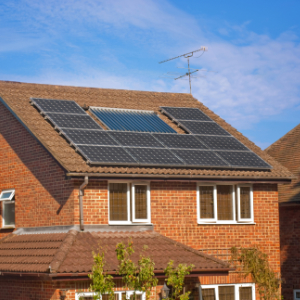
x=131, y=120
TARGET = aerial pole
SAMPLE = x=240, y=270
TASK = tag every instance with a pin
x=187, y=55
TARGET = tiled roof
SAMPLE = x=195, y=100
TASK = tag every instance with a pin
x=287, y=151
x=17, y=97
x=72, y=252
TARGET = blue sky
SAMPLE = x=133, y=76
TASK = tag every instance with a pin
x=253, y=49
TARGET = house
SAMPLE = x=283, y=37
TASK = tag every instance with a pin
x=287, y=151
x=83, y=167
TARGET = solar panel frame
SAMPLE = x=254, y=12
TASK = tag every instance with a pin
x=187, y=113
x=135, y=139
x=89, y=137
x=61, y=106
x=208, y=128
x=222, y=142
x=235, y=159
x=179, y=141
x=73, y=121
x=103, y=155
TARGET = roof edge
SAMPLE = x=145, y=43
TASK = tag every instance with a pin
x=31, y=132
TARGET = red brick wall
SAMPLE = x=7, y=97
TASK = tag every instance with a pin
x=290, y=248
x=43, y=196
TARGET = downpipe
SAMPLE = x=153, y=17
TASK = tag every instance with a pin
x=81, y=193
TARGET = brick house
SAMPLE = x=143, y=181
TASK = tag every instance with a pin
x=287, y=151
x=69, y=184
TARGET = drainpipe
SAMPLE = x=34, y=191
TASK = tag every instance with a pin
x=84, y=184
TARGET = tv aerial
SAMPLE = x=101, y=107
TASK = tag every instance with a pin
x=190, y=74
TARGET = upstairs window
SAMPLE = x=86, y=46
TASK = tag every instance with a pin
x=224, y=204
x=129, y=203
x=8, y=208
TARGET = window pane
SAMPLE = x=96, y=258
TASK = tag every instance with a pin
x=208, y=294
x=118, y=201
x=245, y=293
x=137, y=297
x=6, y=195
x=207, y=202
x=140, y=201
x=245, y=204
x=224, y=202
x=9, y=213
x=226, y=292
x=105, y=297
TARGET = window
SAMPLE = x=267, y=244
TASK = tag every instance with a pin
x=224, y=203
x=296, y=294
x=129, y=295
x=8, y=208
x=129, y=203
x=229, y=292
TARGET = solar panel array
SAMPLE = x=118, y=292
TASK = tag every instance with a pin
x=147, y=148
x=131, y=120
x=216, y=138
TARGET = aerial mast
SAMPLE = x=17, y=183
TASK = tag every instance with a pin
x=187, y=55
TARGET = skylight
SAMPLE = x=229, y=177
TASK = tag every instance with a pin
x=131, y=120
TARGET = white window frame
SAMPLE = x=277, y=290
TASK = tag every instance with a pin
x=215, y=219
x=4, y=203
x=294, y=292
x=10, y=197
x=236, y=289
x=148, y=220
x=245, y=220
x=128, y=294
x=134, y=221
x=128, y=205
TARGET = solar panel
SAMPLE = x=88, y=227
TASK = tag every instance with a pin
x=89, y=137
x=105, y=154
x=185, y=113
x=131, y=120
x=179, y=141
x=154, y=156
x=58, y=106
x=222, y=143
x=136, y=139
x=243, y=159
x=210, y=128
x=73, y=121
x=200, y=158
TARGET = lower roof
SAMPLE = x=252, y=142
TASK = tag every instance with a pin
x=16, y=97
x=65, y=253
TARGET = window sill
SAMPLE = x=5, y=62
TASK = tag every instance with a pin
x=8, y=227
x=226, y=223
x=128, y=224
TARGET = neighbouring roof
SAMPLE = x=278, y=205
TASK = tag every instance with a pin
x=71, y=252
x=287, y=152
x=17, y=97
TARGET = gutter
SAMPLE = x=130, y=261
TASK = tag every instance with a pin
x=190, y=178
x=81, y=193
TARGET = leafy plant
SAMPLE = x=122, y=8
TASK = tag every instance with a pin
x=102, y=283
x=138, y=277
x=255, y=262
x=175, y=279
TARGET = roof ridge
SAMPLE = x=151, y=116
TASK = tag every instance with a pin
x=61, y=254
x=280, y=140
x=197, y=252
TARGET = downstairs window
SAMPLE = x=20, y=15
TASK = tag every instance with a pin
x=229, y=292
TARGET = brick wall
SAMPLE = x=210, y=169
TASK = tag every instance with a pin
x=290, y=248
x=43, y=196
